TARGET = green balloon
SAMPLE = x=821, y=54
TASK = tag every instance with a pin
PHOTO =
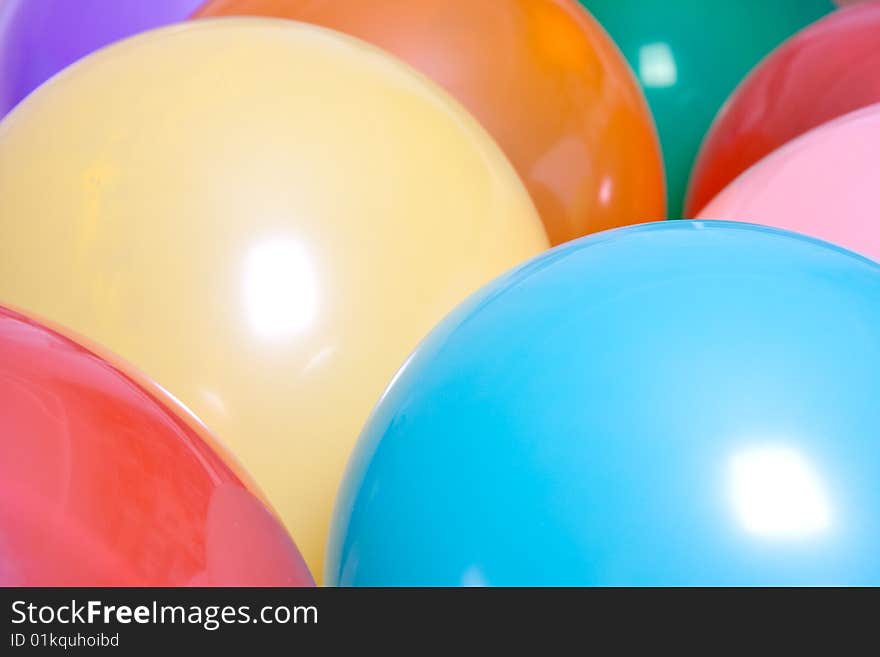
x=690, y=54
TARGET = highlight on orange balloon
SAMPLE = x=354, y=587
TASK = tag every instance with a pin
x=542, y=77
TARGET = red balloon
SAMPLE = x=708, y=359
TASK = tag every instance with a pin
x=102, y=483
x=828, y=69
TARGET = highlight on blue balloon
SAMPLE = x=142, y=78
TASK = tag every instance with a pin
x=680, y=403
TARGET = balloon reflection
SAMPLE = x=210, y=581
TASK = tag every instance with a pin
x=657, y=65
x=777, y=493
x=280, y=288
x=252, y=244
x=605, y=190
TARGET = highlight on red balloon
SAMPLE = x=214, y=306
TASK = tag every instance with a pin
x=828, y=69
x=102, y=483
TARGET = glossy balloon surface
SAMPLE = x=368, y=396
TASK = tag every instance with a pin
x=689, y=55
x=541, y=76
x=103, y=483
x=822, y=184
x=38, y=38
x=681, y=403
x=825, y=71
x=263, y=216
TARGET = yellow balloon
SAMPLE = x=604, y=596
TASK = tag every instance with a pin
x=265, y=217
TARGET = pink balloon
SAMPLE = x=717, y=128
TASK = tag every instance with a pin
x=825, y=184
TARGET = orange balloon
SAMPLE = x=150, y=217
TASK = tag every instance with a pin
x=543, y=78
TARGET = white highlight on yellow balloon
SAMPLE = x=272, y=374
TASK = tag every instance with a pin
x=280, y=288
x=776, y=493
x=308, y=221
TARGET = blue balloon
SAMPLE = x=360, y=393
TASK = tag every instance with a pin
x=680, y=403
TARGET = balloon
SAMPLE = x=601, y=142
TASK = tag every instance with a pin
x=38, y=38
x=823, y=184
x=825, y=71
x=690, y=54
x=541, y=76
x=265, y=217
x=679, y=403
x=103, y=484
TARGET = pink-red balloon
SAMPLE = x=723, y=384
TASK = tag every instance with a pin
x=823, y=184
x=103, y=482
x=828, y=69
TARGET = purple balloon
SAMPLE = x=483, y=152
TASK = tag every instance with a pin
x=38, y=38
